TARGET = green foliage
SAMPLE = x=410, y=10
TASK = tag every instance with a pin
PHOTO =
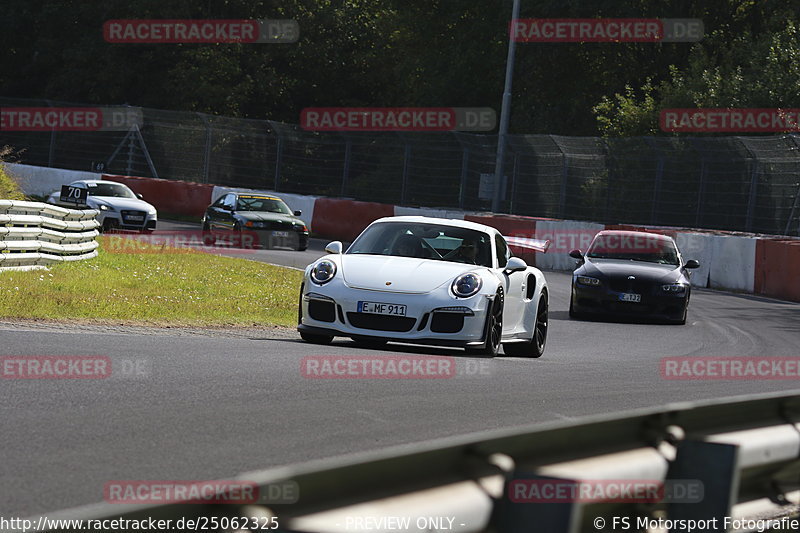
x=725, y=70
x=409, y=53
x=9, y=189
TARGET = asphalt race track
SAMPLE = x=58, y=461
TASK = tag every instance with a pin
x=210, y=406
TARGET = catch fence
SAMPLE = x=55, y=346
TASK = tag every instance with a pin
x=740, y=183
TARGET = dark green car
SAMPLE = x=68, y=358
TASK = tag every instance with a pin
x=254, y=220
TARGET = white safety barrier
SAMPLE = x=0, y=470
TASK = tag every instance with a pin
x=41, y=181
x=34, y=234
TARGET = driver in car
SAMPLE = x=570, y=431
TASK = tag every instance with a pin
x=467, y=252
x=408, y=246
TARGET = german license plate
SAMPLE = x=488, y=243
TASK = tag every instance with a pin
x=280, y=233
x=630, y=297
x=382, y=308
x=135, y=218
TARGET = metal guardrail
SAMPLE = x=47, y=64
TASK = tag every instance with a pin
x=35, y=234
x=744, y=454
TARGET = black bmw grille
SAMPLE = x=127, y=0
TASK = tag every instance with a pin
x=624, y=285
x=279, y=225
x=381, y=322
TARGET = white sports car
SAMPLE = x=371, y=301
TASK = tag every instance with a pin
x=119, y=206
x=427, y=280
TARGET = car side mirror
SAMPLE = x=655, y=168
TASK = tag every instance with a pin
x=334, y=247
x=515, y=264
x=139, y=196
x=691, y=263
x=575, y=254
x=297, y=212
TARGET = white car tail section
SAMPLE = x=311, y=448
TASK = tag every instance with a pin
x=539, y=245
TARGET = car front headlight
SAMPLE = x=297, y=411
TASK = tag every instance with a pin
x=586, y=280
x=104, y=207
x=251, y=224
x=674, y=288
x=323, y=272
x=152, y=211
x=467, y=285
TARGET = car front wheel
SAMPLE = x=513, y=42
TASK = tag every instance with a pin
x=207, y=236
x=493, y=328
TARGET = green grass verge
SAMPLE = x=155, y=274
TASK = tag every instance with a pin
x=148, y=285
x=9, y=190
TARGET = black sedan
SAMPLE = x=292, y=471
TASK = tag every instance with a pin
x=254, y=220
x=631, y=273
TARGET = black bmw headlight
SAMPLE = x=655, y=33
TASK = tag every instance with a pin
x=587, y=280
x=323, y=272
x=674, y=288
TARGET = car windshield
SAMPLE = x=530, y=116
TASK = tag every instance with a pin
x=114, y=190
x=269, y=205
x=634, y=248
x=425, y=241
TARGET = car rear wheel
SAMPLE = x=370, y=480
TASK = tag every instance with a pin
x=493, y=329
x=110, y=225
x=534, y=347
x=207, y=236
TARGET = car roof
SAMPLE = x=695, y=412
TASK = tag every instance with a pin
x=256, y=195
x=631, y=233
x=456, y=223
x=97, y=182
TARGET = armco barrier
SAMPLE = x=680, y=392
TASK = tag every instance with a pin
x=169, y=196
x=727, y=260
x=33, y=234
x=345, y=219
x=733, y=459
x=777, y=268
